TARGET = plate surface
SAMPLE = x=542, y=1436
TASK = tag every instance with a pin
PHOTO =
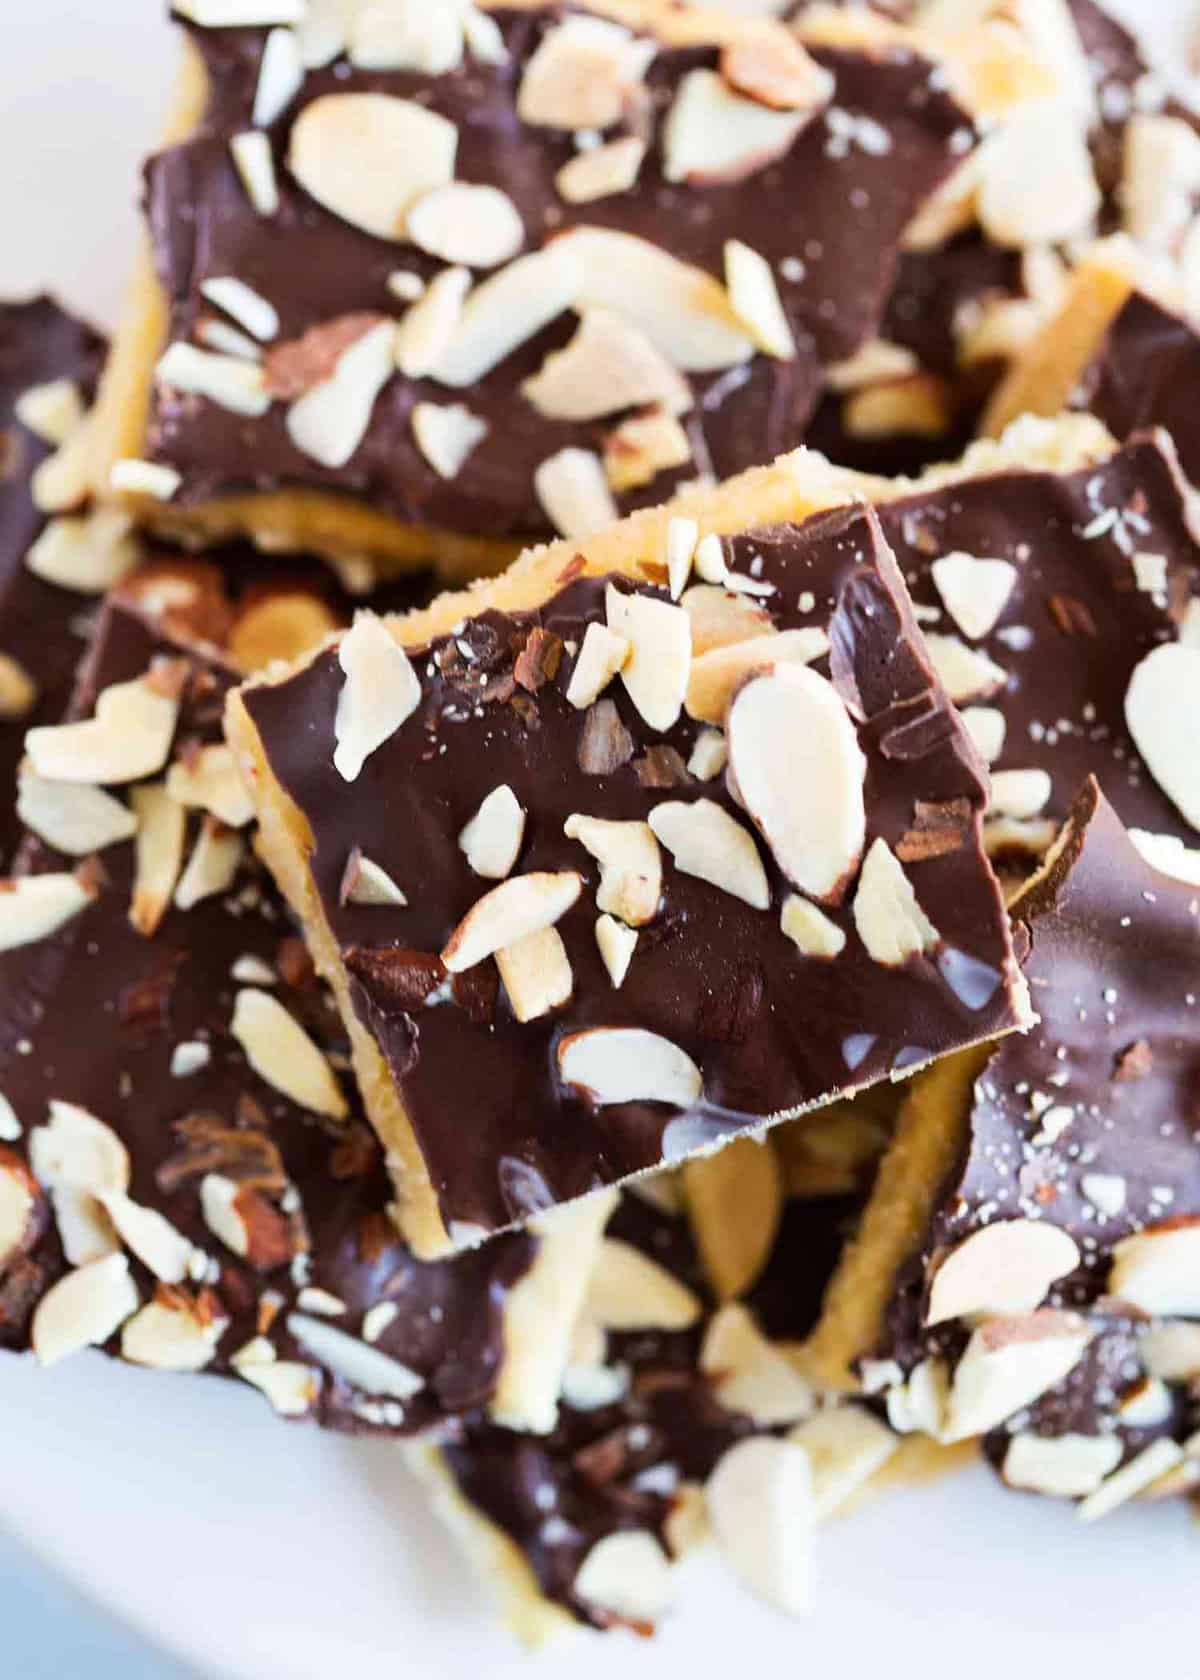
x=262, y=1552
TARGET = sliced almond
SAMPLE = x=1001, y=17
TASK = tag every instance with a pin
x=152, y=1238
x=284, y=625
x=428, y=329
x=986, y=725
x=83, y=1309
x=1160, y=179
x=709, y=756
x=224, y=380
x=1159, y=1270
x=22, y=1208
x=89, y=552
x=601, y=172
x=918, y=406
x=218, y=1204
x=1168, y=854
x=405, y=35
x=608, y=365
x=573, y=491
x=75, y=1150
x=1010, y=1363
x=237, y=14
x=719, y=618
x=132, y=477
x=600, y=658
x=846, y=1446
x=170, y=1336
x=291, y=1388
x=33, y=907
x=1062, y=1466
x=368, y=157
x=356, y=1362
x=754, y=297
x=656, y=672
x=128, y=737
x=446, y=433
x=246, y=306
x=810, y=929
x=889, y=919
x=682, y=537
x=629, y=1291
x=517, y=907
x=628, y=1064
x=281, y=1052
x=581, y=74
x=72, y=817
x=795, y=757
x=617, y=944
x=213, y=865
x=877, y=363
x=776, y=71
x=640, y=448
x=630, y=865
x=380, y=693
x=1007, y=1267
x=1171, y=1352
x=1162, y=706
x=51, y=411
x=207, y=780
x=1019, y=793
x=1036, y=182
x=713, y=136
x=330, y=421
x=761, y=1505
x=627, y=1575
x=84, y=1229
x=505, y=312
x=734, y=1202
x=162, y=828
x=460, y=223
x=255, y=163
x=492, y=839
x=964, y=672
x=751, y=1375
x=536, y=973
x=975, y=591
x=717, y=674
x=366, y=882
x=18, y=691
x=280, y=77
x=705, y=841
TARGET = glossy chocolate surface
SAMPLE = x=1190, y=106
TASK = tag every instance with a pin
x=1144, y=374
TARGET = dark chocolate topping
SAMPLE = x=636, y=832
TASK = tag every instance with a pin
x=1144, y=374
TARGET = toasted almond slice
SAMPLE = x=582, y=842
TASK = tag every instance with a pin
x=717, y=674
x=83, y=1309
x=162, y=825
x=32, y=907
x=601, y=172
x=640, y=448
x=405, y=35
x=291, y=1388
x=628, y=1064
x=846, y=1446
x=749, y=1373
x=760, y=1502
x=128, y=737
x=795, y=757
x=428, y=329
x=600, y=658
x=1036, y=181
x=368, y=157
x=1009, y=1363
x=682, y=310
x=1019, y=793
x=476, y=225
x=705, y=841
x=581, y=74
x=1158, y=1270
x=255, y=163
x=72, y=817
x=608, y=365
x=505, y=311
x=734, y=1201
x=380, y=693
x=713, y=136
x=810, y=929
x=225, y=380
x=1162, y=709
x=51, y=411
x=89, y=552
x=877, y=363
x=573, y=491
x=1007, y=1267
x=660, y=652
x=207, y=780
x=777, y=72
x=18, y=691
x=213, y=865
x=919, y=406
x=237, y=14
x=246, y=306
x=629, y=1291
x=630, y=865
x=1063, y=1466
x=356, y=1362
x=170, y=1336
x=536, y=974
x=150, y=1236
x=21, y=1208
x=75, y=1150
x=492, y=838
x=719, y=618
x=330, y=421
x=965, y=673
x=890, y=921
x=517, y=907
x=682, y=537
x=628, y=1576
x=617, y=944
x=754, y=297
x=446, y=434
x=986, y=725
x=281, y=1052
x=975, y=591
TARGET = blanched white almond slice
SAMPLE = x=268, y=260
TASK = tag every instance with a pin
x=1036, y=182
x=986, y=725
x=372, y=884
x=476, y=225
x=629, y=1064
x=446, y=433
x=244, y=305
x=716, y=675
x=428, y=328
x=405, y=35
x=750, y=1374
x=368, y=157
x=1160, y=179
x=380, y=693
x=536, y=973
x=1063, y=1466
x=581, y=74
x=355, y=1361
x=492, y=838
x=573, y=490
x=713, y=135
x=705, y=841
x=18, y=691
x=1019, y=793
x=1007, y=1267
x=72, y=817
x=208, y=780
x=637, y=450
x=1171, y=1352
x=682, y=537
x=1162, y=710
x=162, y=828
x=719, y=618
x=629, y=1291
x=330, y=421
x=226, y=381
x=975, y=591
x=602, y=172
x=32, y=907
x=617, y=944
x=965, y=673
x=213, y=865
x=129, y=736
x=280, y=77
x=734, y=1200
x=600, y=658
x=628, y=1575
x=890, y=921
x=51, y=411
x=132, y=477
x=291, y=1388
x=75, y=1150
x=84, y=1229
x=255, y=163
x=1168, y=854
x=608, y=365
x=630, y=865
x=846, y=1445
x=709, y=756
x=511, y=911
x=760, y=1502
x=506, y=311
x=1138, y=1476
x=754, y=297
x=795, y=757
x=218, y=1204
x=170, y=1338
x=810, y=929
x=1159, y=1271
x=235, y=14
x=83, y=1309
x=89, y=552
x=1010, y=1363
x=660, y=654
x=152, y=1238
x=681, y=309
x=281, y=1052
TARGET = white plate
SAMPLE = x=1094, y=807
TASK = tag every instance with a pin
x=263, y=1552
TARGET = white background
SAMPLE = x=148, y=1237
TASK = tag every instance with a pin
x=263, y=1552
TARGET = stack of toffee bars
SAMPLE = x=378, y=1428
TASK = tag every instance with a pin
x=707, y=1018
